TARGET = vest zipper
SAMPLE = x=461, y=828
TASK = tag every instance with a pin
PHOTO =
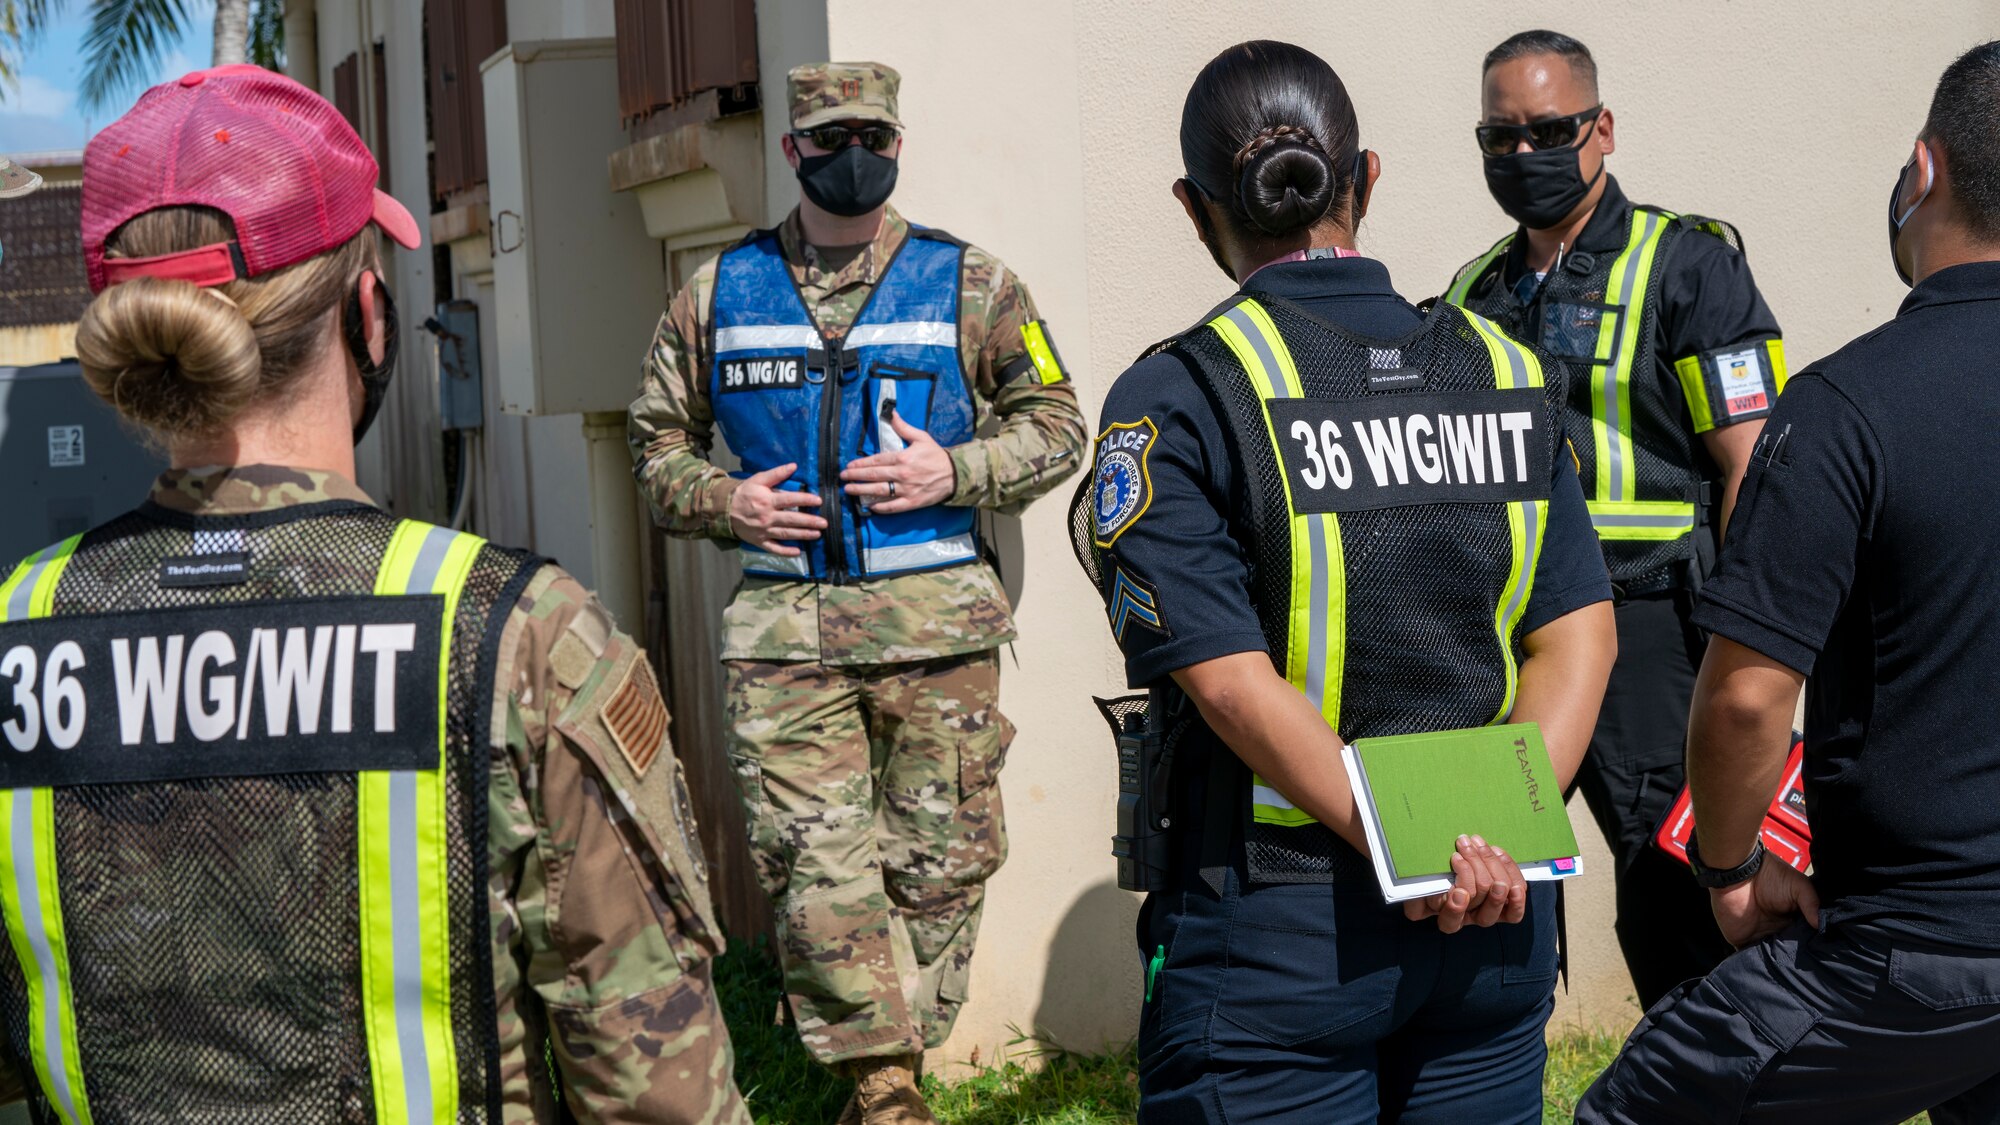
x=829, y=465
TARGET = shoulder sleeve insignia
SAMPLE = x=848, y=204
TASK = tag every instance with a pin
x=636, y=716
x=1134, y=601
x=1122, y=487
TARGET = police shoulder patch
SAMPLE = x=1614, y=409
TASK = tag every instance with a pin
x=1123, y=485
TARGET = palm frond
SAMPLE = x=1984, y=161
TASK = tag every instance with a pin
x=267, y=34
x=126, y=40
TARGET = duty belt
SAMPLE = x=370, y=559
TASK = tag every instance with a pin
x=1646, y=585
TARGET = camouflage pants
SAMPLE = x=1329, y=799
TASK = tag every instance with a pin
x=875, y=820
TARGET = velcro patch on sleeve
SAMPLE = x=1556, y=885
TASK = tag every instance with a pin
x=636, y=716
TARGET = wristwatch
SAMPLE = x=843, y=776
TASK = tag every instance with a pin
x=1716, y=880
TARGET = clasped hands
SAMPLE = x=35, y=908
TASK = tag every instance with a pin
x=1487, y=888
x=919, y=475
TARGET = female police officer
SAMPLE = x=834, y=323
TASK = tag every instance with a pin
x=1322, y=514
x=313, y=814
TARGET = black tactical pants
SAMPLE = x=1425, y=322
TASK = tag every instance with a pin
x=1630, y=778
x=1851, y=1025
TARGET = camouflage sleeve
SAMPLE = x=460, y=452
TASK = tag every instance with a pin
x=672, y=424
x=602, y=925
x=1015, y=370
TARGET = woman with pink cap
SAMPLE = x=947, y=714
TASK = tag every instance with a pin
x=312, y=814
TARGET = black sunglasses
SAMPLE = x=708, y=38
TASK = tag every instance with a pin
x=1550, y=132
x=833, y=138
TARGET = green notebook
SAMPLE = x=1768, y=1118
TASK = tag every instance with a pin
x=1493, y=782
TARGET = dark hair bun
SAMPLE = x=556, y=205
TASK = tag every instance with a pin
x=1286, y=187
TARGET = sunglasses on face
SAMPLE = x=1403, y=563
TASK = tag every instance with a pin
x=1550, y=132
x=833, y=138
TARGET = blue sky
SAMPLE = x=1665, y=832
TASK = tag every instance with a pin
x=42, y=112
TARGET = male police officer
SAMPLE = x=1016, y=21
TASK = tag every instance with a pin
x=848, y=357
x=1862, y=557
x=1668, y=342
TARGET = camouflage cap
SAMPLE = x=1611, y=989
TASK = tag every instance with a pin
x=834, y=91
x=16, y=180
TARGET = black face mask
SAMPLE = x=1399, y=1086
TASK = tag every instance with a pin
x=374, y=376
x=1896, y=220
x=1539, y=188
x=850, y=182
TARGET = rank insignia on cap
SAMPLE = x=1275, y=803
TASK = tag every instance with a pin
x=1123, y=487
x=636, y=716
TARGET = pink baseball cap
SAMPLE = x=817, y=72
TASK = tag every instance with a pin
x=278, y=159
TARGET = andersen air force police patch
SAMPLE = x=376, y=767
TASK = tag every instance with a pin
x=1123, y=487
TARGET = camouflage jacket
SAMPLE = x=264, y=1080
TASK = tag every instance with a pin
x=601, y=921
x=1037, y=443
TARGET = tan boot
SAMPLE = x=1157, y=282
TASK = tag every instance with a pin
x=885, y=1093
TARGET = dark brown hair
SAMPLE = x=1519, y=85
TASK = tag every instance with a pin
x=1269, y=133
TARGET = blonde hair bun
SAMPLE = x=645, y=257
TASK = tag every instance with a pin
x=173, y=357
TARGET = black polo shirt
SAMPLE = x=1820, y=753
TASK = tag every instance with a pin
x=1186, y=545
x=1708, y=302
x=1862, y=554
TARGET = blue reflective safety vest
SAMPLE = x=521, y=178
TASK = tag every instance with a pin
x=784, y=393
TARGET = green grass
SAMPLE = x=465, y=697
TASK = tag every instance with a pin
x=1040, y=1085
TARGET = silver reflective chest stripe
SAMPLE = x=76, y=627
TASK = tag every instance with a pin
x=932, y=333
x=748, y=337
x=937, y=552
x=764, y=562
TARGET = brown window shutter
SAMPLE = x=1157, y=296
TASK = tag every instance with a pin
x=462, y=33
x=671, y=50
x=382, y=114
x=347, y=89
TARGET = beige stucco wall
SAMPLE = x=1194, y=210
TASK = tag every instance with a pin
x=1044, y=130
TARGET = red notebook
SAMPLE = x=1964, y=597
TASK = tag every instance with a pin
x=1786, y=833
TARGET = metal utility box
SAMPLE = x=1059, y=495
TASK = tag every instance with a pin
x=578, y=284
x=68, y=461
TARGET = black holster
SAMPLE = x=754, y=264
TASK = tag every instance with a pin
x=1143, y=843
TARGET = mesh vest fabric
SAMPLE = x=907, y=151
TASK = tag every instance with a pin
x=1665, y=463
x=1422, y=581
x=212, y=924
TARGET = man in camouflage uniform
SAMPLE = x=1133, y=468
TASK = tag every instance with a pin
x=864, y=729
x=601, y=925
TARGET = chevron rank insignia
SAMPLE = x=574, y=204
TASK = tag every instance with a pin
x=1135, y=602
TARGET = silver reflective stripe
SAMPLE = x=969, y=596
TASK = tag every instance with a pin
x=1614, y=373
x=1517, y=377
x=745, y=337
x=1316, y=654
x=956, y=548
x=24, y=594
x=932, y=332
x=430, y=557
x=764, y=562
x=1265, y=795
x=406, y=911
x=1597, y=520
x=28, y=892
